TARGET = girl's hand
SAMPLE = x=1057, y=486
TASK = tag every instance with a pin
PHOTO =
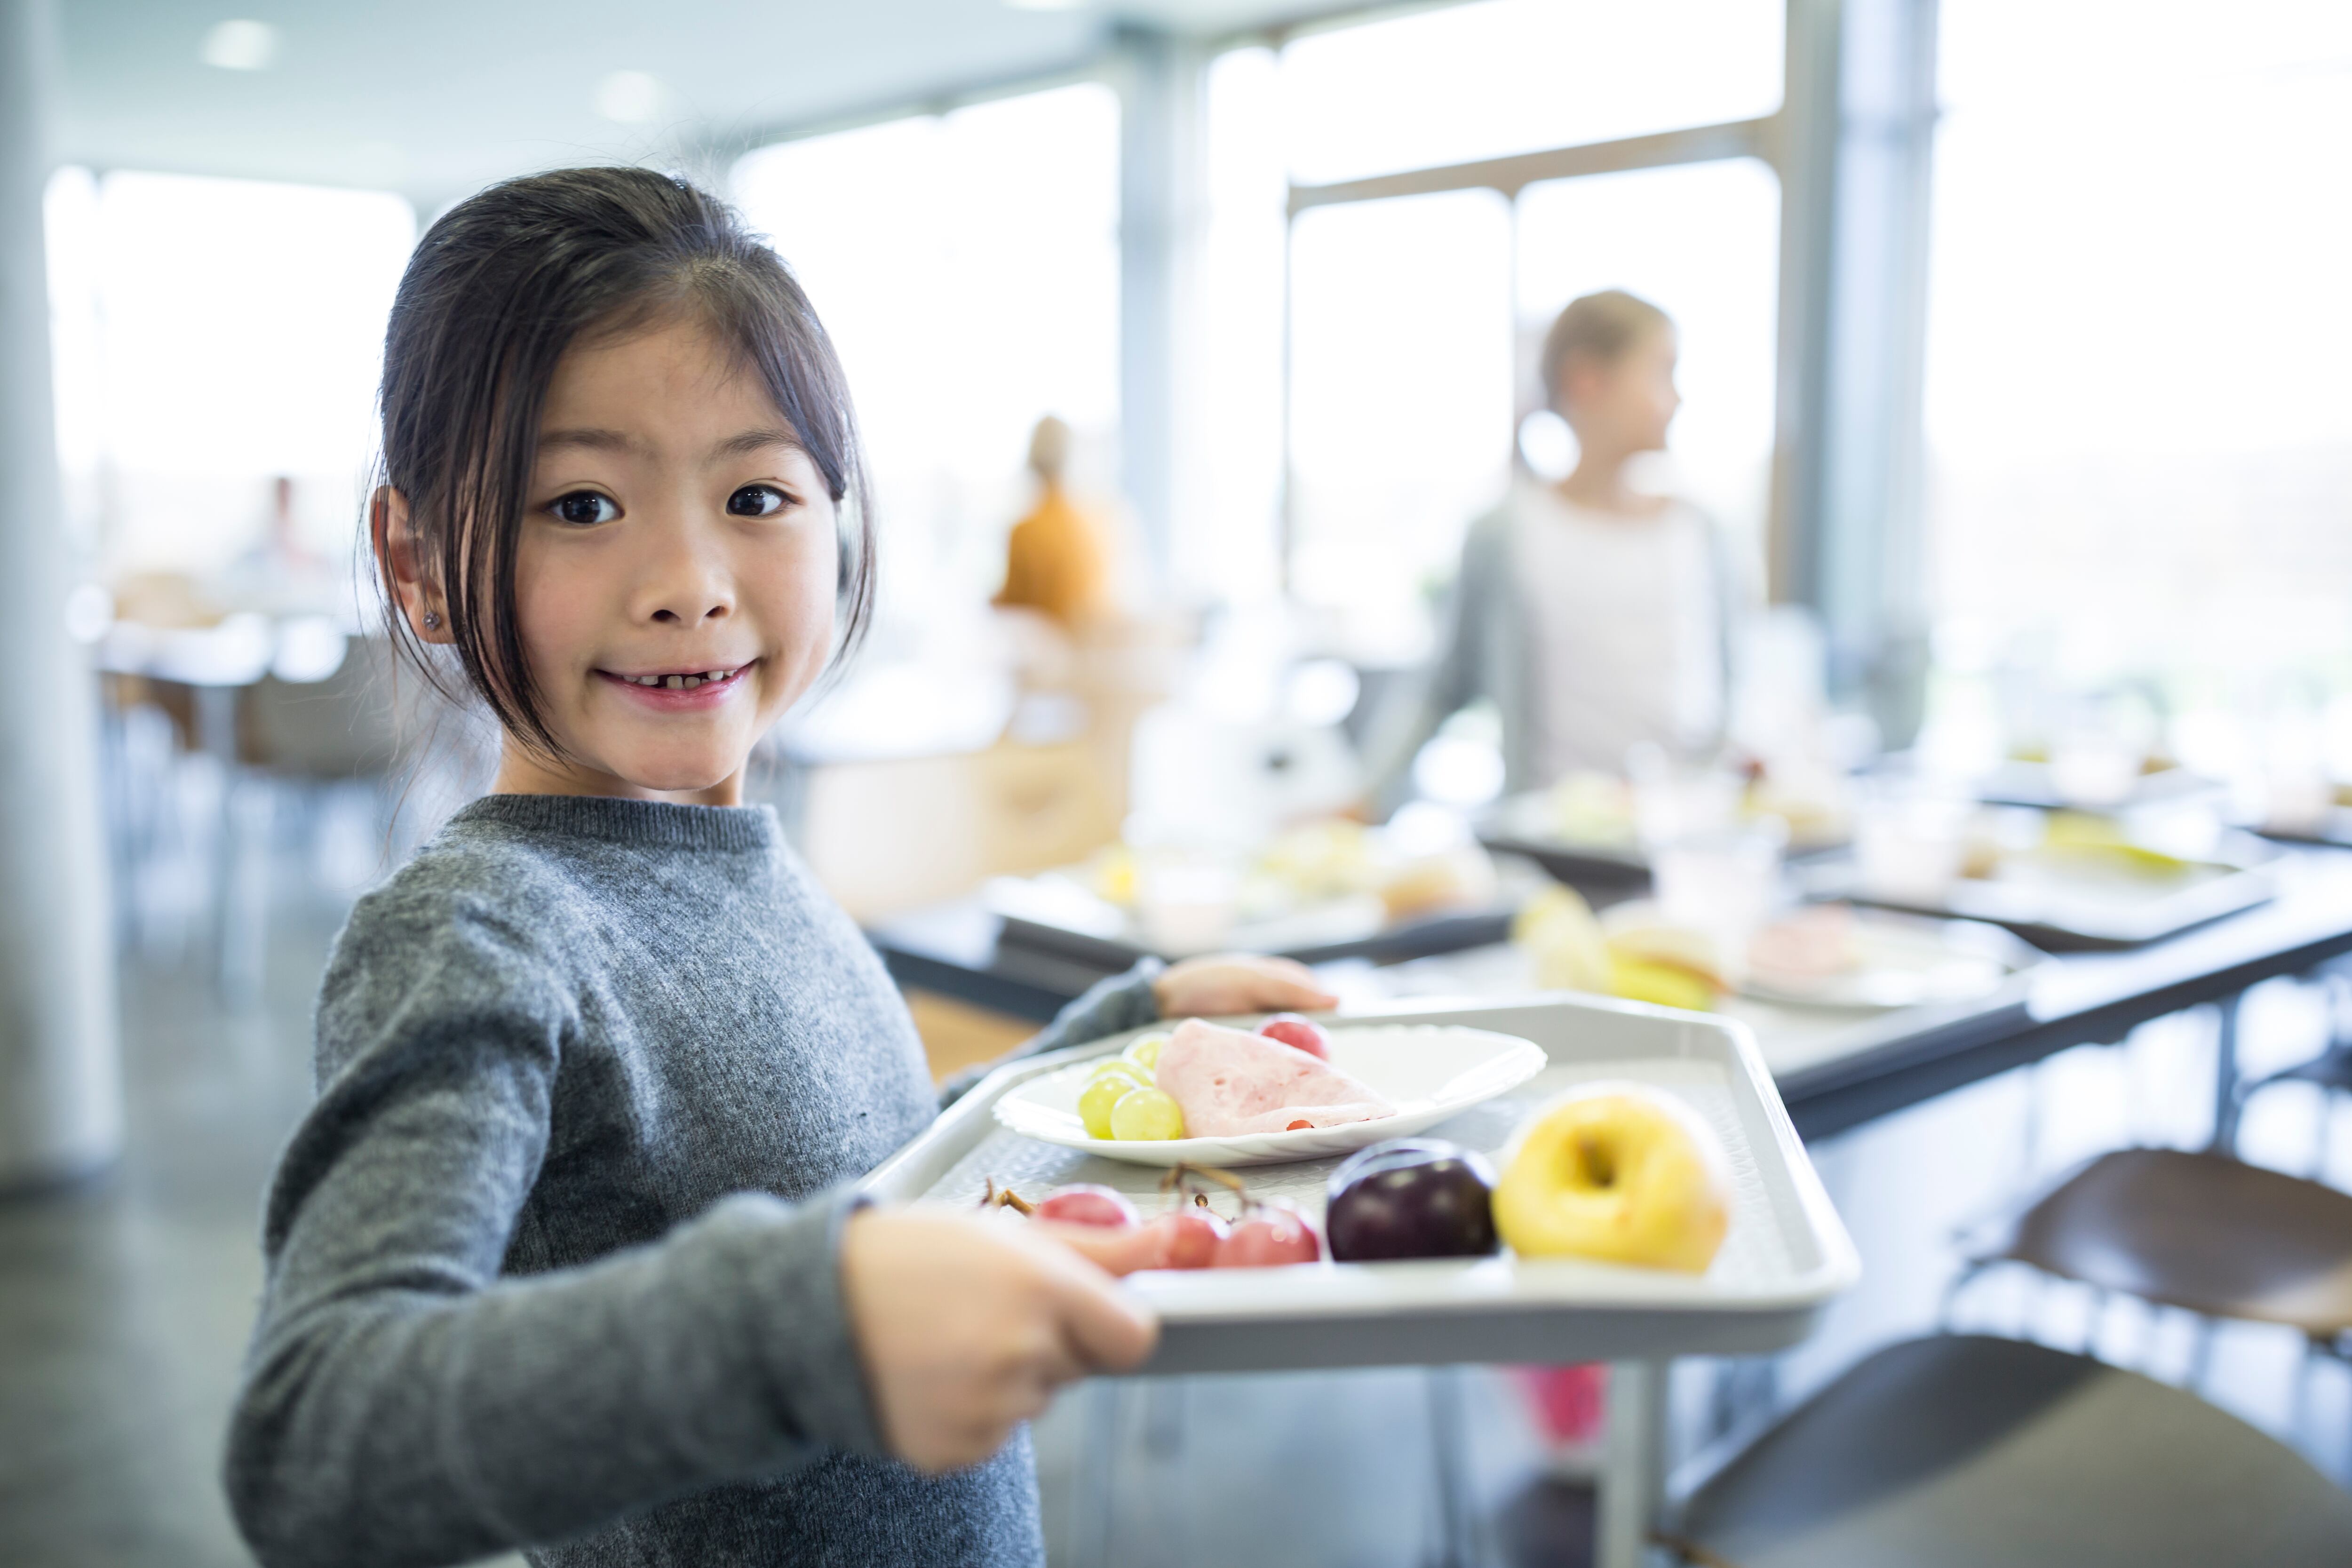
x=1238, y=983
x=966, y=1327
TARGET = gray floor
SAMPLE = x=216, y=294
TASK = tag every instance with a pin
x=124, y=1305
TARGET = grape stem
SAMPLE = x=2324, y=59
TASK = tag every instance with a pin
x=1178, y=1183
x=1005, y=1198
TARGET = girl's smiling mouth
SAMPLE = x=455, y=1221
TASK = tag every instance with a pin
x=671, y=689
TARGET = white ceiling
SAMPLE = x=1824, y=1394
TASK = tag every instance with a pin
x=434, y=98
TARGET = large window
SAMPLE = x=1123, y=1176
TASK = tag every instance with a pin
x=210, y=336
x=2138, y=420
x=1412, y=317
x=1520, y=75
x=967, y=266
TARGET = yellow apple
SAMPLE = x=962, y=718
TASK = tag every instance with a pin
x=1617, y=1172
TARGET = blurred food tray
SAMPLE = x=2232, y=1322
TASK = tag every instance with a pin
x=1786, y=1256
x=2023, y=782
x=2062, y=914
x=1445, y=932
x=1525, y=825
x=1898, y=960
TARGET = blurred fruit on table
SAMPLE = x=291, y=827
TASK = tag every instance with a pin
x=1633, y=951
x=2100, y=842
x=1654, y=960
x=1558, y=930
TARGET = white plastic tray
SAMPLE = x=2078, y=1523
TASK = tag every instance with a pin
x=1786, y=1255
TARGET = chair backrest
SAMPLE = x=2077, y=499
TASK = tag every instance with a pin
x=1957, y=1451
x=349, y=725
x=2197, y=1230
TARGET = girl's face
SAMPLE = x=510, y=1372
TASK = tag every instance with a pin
x=674, y=575
x=1625, y=406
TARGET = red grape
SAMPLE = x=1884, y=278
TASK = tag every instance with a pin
x=1272, y=1233
x=1086, y=1204
x=1190, y=1236
x=1304, y=1034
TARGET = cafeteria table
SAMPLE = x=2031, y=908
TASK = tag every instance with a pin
x=1836, y=1068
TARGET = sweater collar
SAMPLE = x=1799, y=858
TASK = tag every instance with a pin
x=652, y=823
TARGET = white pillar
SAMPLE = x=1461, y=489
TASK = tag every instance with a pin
x=60, y=1091
x=1858, y=141
x=1162, y=215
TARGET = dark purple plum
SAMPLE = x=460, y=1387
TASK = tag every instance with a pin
x=1410, y=1197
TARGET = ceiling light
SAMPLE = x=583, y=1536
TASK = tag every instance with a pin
x=239, y=46
x=631, y=98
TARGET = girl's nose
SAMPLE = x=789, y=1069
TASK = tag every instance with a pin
x=687, y=586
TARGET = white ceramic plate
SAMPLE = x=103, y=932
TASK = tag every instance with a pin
x=1427, y=1071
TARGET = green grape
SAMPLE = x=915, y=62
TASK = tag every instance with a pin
x=1144, y=1049
x=1146, y=1113
x=1121, y=1068
x=1096, y=1101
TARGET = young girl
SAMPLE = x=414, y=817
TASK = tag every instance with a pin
x=566, y=1255
x=1596, y=617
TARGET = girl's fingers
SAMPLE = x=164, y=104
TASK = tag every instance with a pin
x=1103, y=1327
x=1108, y=1332
x=1112, y=1251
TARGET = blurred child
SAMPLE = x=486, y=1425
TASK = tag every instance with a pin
x=568, y=1254
x=1595, y=617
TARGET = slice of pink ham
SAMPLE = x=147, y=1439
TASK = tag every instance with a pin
x=1230, y=1082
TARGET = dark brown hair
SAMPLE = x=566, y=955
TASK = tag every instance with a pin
x=499, y=287
x=1598, y=327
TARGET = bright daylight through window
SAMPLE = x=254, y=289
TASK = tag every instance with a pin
x=192, y=373
x=967, y=266
x=1415, y=320
x=2139, y=425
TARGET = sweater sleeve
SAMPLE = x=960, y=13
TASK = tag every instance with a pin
x=403, y=1403
x=1121, y=1002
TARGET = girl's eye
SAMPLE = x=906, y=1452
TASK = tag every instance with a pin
x=584, y=507
x=757, y=500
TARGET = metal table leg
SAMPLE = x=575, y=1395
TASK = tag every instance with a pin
x=1449, y=1436
x=1633, y=1464
x=2225, y=1074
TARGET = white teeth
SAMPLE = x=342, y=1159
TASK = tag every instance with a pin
x=681, y=682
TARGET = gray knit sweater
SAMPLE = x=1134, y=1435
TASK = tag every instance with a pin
x=552, y=1260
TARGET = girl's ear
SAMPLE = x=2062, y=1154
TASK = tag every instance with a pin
x=422, y=602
